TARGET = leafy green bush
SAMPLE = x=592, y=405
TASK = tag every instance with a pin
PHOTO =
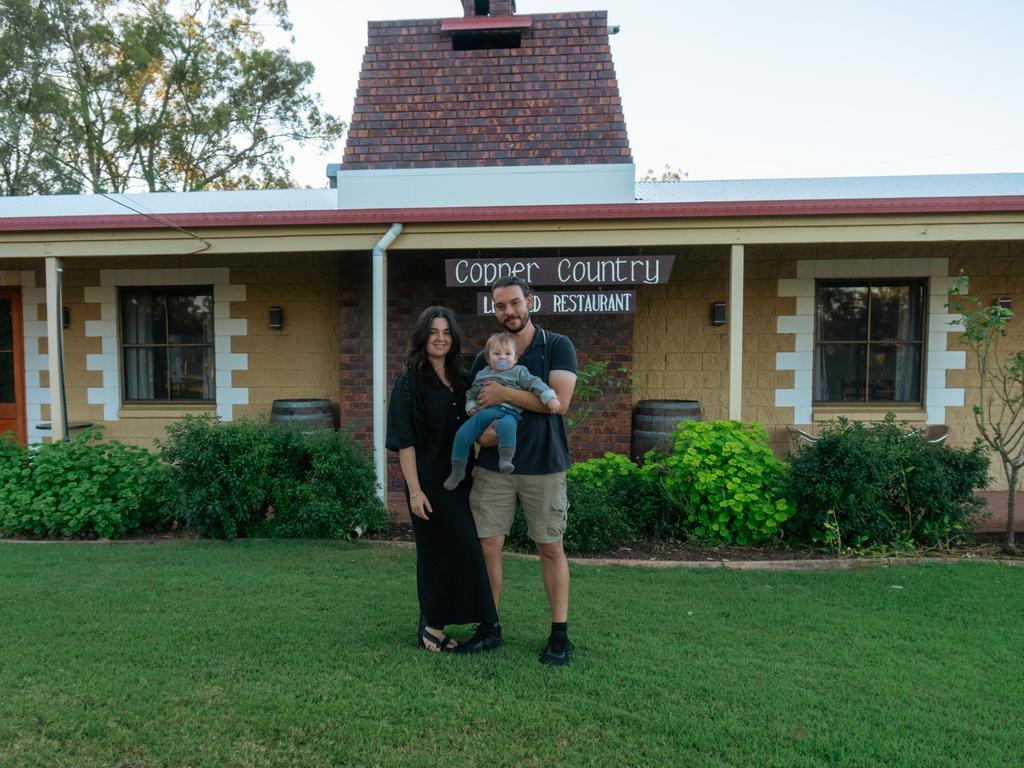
x=867, y=486
x=255, y=478
x=723, y=482
x=84, y=487
x=15, y=487
x=612, y=501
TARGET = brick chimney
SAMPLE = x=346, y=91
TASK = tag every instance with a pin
x=488, y=90
x=474, y=8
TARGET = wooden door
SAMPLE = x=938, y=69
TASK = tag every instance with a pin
x=12, y=365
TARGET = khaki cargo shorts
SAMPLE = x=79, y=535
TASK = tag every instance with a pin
x=544, y=500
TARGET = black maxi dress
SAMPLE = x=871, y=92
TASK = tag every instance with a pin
x=451, y=578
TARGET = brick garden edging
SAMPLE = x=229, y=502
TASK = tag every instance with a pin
x=825, y=564
x=836, y=564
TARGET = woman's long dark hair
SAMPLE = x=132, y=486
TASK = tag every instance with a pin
x=416, y=351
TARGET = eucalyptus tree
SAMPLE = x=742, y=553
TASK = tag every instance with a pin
x=28, y=100
x=154, y=95
x=999, y=409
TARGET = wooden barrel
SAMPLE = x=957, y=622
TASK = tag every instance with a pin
x=306, y=413
x=654, y=420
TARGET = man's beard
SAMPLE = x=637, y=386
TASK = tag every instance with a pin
x=523, y=319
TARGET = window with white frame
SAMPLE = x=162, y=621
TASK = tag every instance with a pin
x=869, y=341
x=167, y=344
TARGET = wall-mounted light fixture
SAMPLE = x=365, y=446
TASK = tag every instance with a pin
x=718, y=313
x=1004, y=303
x=276, y=318
x=65, y=317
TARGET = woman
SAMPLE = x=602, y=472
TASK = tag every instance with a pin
x=427, y=406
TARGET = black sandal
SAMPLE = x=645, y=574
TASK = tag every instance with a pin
x=442, y=644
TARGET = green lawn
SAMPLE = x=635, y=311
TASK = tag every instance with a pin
x=302, y=654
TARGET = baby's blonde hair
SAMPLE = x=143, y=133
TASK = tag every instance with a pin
x=503, y=338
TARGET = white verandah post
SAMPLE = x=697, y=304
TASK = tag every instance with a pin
x=54, y=329
x=736, y=332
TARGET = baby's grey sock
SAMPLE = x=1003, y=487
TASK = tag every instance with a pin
x=505, y=454
x=458, y=472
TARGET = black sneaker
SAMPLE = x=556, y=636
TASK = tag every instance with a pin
x=486, y=638
x=556, y=652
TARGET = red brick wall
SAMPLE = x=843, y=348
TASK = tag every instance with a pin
x=355, y=335
x=416, y=281
x=498, y=8
x=502, y=7
x=554, y=100
x=998, y=507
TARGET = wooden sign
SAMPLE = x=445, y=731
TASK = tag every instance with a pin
x=560, y=270
x=570, y=303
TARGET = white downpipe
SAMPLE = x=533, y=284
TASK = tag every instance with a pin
x=380, y=354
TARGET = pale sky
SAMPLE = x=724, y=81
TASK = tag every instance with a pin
x=729, y=89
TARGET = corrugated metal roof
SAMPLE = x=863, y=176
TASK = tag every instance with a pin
x=757, y=197
x=838, y=188
x=165, y=203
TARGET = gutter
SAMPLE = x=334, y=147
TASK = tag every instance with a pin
x=621, y=211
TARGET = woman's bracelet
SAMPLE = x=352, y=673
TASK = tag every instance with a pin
x=414, y=494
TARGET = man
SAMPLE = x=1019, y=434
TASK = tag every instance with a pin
x=541, y=459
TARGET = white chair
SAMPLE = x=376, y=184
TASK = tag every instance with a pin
x=933, y=433
x=798, y=437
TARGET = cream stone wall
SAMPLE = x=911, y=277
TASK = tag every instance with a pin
x=678, y=354
x=301, y=360
x=762, y=343
x=996, y=270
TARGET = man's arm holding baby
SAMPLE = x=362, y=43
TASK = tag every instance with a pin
x=493, y=393
x=548, y=397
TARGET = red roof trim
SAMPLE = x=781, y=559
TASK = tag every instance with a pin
x=486, y=22
x=622, y=211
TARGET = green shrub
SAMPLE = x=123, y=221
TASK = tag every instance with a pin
x=868, y=486
x=15, y=487
x=255, y=478
x=84, y=487
x=723, y=483
x=612, y=501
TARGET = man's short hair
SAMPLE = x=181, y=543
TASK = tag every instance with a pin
x=508, y=280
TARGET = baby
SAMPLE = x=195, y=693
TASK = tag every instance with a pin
x=500, y=351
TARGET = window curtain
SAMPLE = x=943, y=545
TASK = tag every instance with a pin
x=820, y=377
x=908, y=356
x=820, y=374
x=138, y=363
